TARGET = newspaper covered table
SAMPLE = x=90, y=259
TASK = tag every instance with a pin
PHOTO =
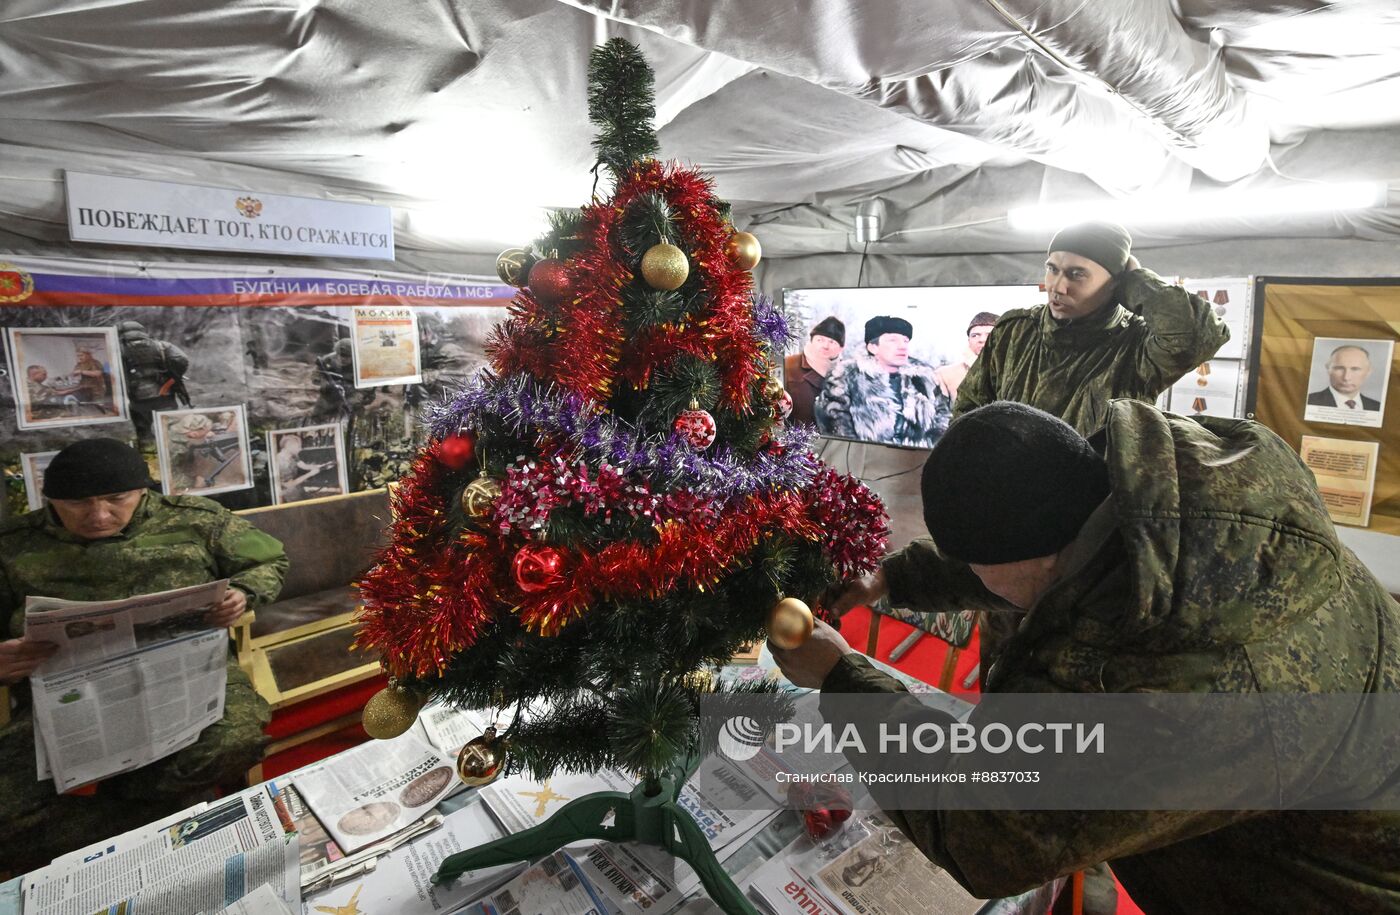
x=397, y=883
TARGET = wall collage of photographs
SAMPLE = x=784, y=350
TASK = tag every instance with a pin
x=226, y=402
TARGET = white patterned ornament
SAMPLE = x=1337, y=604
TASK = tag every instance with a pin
x=784, y=406
x=696, y=426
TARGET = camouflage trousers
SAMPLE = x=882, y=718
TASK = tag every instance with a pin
x=37, y=824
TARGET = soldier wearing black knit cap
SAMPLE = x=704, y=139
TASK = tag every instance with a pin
x=1109, y=328
x=1166, y=555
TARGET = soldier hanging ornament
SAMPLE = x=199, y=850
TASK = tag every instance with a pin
x=783, y=408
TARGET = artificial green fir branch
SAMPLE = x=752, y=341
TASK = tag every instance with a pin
x=686, y=379
x=651, y=725
x=621, y=102
x=644, y=307
x=648, y=221
x=563, y=239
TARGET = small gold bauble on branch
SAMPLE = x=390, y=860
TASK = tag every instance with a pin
x=481, y=760
x=702, y=681
x=479, y=495
x=744, y=250
x=789, y=623
x=664, y=266
x=510, y=266
x=391, y=711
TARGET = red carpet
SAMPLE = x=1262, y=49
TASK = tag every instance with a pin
x=925, y=662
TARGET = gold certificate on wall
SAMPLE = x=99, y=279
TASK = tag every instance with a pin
x=386, y=345
x=1346, y=476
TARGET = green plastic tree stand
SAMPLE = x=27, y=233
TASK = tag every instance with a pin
x=655, y=819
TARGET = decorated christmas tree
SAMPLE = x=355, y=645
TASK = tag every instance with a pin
x=616, y=506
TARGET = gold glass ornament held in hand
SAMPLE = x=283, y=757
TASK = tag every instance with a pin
x=789, y=623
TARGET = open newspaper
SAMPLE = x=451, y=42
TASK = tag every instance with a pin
x=132, y=681
x=199, y=860
x=868, y=868
x=375, y=790
x=553, y=886
x=400, y=881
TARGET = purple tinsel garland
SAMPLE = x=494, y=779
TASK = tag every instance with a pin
x=670, y=463
x=770, y=324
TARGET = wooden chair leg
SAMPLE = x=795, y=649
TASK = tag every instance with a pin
x=873, y=638
x=950, y=666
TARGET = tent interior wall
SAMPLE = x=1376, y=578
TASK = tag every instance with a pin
x=467, y=118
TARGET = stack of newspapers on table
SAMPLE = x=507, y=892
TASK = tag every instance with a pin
x=239, y=853
x=362, y=833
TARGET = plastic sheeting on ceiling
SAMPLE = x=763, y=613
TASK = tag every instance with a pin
x=469, y=116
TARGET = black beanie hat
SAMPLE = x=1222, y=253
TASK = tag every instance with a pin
x=1104, y=243
x=1009, y=482
x=886, y=324
x=95, y=467
x=830, y=326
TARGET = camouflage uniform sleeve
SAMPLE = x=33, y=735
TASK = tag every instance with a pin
x=1182, y=329
x=999, y=853
x=922, y=579
x=251, y=560
x=834, y=404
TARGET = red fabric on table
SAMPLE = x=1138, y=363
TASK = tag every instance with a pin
x=924, y=661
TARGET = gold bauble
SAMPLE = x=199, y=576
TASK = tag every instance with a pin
x=789, y=623
x=481, y=760
x=744, y=250
x=510, y=265
x=390, y=712
x=479, y=495
x=665, y=267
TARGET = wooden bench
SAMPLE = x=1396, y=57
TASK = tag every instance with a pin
x=297, y=650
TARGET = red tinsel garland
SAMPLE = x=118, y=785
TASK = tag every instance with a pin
x=433, y=590
x=580, y=344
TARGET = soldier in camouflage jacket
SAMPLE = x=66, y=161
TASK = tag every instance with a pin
x=169, y=542
x=1203, y=560
x=1109, y=329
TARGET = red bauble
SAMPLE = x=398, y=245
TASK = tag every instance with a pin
x=817, y=823
x=696, y=426
x=824, y=807
x=783, y=409
x=456, y=451
x=537, y=567
x=549, y=281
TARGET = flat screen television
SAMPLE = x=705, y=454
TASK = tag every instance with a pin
x=897, y=390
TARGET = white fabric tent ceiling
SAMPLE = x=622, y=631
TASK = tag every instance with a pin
x=470, y=115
